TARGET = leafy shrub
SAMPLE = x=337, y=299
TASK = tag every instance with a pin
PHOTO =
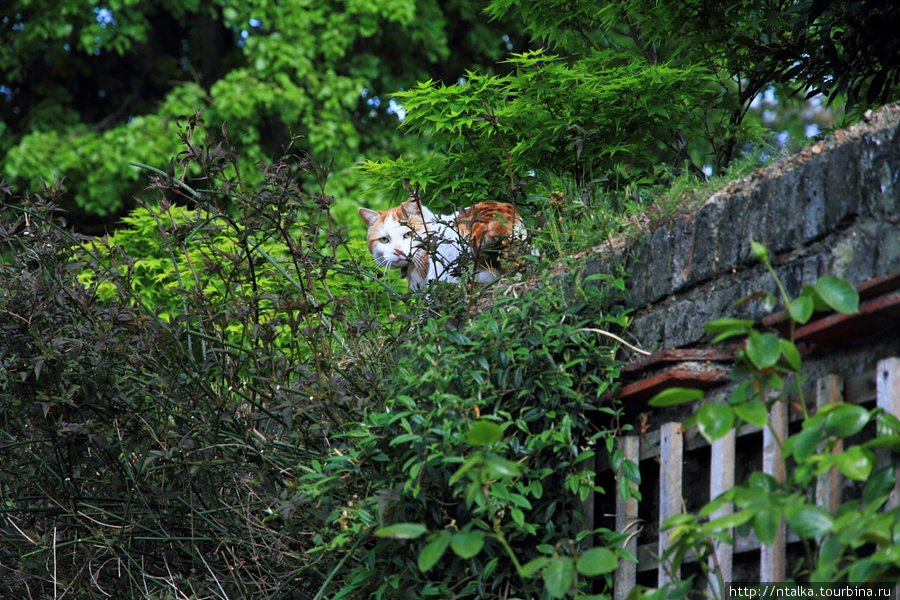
x=419, y=460
x=838, y=546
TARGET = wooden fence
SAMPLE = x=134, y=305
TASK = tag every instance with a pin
x=666, y=451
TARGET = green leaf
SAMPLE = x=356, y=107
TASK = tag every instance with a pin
x=533, y=566
x=880, y=484
x=674, y=396
x=471, y=462
x=809, y=521
x=501, y=467
x=467, y=545
x=402, y=531
x=753, y=412
x=845, y=420
x=806, y=443
x=728, y=324
x=434, y=550
x=763, y=349
x=484, y=433
x=714, y=420
x=855, y=463
x=631, y=471
x=597, y=561
x=559, y=574
x=801, y=309
x=838, y=294
x=791, y=355
x=765, y=523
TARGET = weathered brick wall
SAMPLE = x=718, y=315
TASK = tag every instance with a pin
x=833, y=208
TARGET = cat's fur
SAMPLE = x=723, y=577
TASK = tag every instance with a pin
x=426, y=247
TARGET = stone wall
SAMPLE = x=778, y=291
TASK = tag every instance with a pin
x=833, y=208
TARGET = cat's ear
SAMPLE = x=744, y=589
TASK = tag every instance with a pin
x=411, y=207
x=368, y=215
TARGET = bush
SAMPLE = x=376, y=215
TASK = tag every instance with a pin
x=482, y=441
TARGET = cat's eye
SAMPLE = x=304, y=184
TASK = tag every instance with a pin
x=407, y=235
x=384, y=240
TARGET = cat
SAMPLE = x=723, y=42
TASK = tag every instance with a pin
x=426, y=247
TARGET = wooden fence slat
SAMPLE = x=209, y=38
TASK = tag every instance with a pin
x=721, y=479
x=671, y=450
x=829, y=390
x=887, y=394
x=627, y=521
x=772, y=556
x=887, y=397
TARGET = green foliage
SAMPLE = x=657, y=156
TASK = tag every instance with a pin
x=156, y=389
x=89, y=88
x=836, y=543
x=454, y=485
x=595, y=115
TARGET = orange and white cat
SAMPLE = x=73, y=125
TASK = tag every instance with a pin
x=426, y=247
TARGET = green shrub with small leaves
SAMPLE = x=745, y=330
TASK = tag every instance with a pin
x=468, y=479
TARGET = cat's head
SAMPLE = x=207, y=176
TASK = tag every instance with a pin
x=395, y=235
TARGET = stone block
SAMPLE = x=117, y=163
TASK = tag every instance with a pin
x=755, y=222
x=785, y=215
x=887, y=260
x=637, y=265
x=879, y=166
x=842, y=193
x=812, y=197
x=853, y=255
x=704, y=263
x=730, y=232
x=682, y=251
x=660, y=273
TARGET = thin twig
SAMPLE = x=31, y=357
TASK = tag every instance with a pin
x=615, y=337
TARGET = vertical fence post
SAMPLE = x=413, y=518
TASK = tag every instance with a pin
x=828, y=485
x=721, y=479
x=772, y=556
x=887, y=393
x=671, y=449
x=627, y=520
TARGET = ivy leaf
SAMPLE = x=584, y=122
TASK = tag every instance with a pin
x=753, y=412
x=809, y=521
x=467, y=545
x=765, y=523
x=805, y=444
x=855, y=463
x=597, y=561
x=434, y=550
x=674, y=396
x=880, y=484
x=791, y=355
x=763, y=349
x=402, y=531
x=801, y=309
x=559, y=574
x=845, y=420
x=484, y=433
x=714, y=420
x=533, y=566
x=838, y=294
